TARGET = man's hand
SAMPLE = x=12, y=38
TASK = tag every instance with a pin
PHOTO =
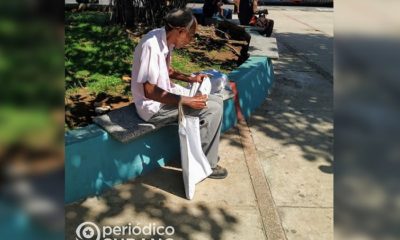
x=171, y=71
x=196, y=102
x=158, y=94
x=185, y=77
x=197, y=78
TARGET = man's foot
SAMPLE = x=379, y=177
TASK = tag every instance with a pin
x=218, y=173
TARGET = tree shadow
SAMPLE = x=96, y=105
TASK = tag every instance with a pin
x=92, y=46
x=299, y=108
x=144, y=201
x=198, y=52
x=316, y=53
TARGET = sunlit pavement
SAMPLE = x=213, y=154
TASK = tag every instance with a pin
x=293, y=131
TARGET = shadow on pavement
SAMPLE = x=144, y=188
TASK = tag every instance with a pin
x=315, y=50
x=139, y=202
x=299, y=109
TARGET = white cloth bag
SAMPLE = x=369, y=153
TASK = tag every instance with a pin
x=195, y=166
x=218, y=80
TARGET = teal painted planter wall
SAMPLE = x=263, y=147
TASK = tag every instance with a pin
x=98, y=161
x=253, y=80
x=94, y=161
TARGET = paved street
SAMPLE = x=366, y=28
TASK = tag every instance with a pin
x=293, y=135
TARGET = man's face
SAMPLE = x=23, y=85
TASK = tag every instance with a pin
x=185, y=36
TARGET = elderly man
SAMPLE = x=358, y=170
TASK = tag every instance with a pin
x=152, y=88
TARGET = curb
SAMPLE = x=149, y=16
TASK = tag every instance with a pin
x=270, y=218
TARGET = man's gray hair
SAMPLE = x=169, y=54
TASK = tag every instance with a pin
x=176, y=18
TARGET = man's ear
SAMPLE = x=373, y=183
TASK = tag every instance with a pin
x=181, y=30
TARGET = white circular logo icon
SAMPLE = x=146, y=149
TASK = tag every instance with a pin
x=87, y=230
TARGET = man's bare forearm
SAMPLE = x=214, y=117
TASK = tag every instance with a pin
x=155, y=93
x=158, y=94
x=179, y=76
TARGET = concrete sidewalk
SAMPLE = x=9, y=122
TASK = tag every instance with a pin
x=293, y=130
x=221, y=209
x=291, y=136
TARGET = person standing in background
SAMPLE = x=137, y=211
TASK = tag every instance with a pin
x=212, y=8
x=246, y=11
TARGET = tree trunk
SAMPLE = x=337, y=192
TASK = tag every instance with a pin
x=149, y=12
